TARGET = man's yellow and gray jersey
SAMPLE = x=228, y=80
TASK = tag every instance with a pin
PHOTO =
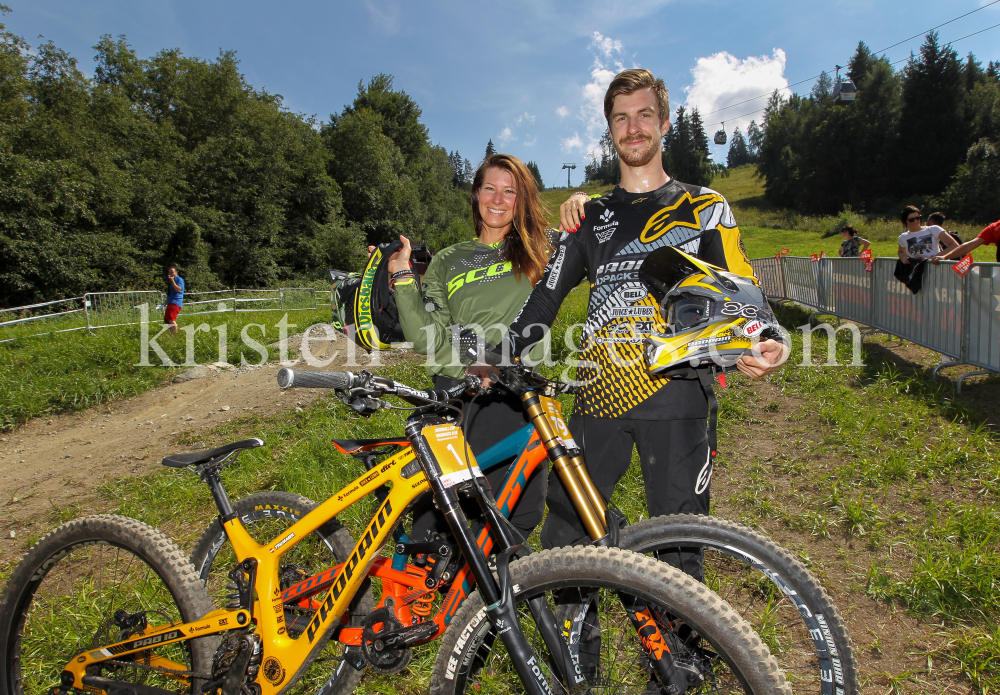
x=618, y=231
x=469, y=284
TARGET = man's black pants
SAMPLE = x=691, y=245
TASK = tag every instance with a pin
x=672, y=454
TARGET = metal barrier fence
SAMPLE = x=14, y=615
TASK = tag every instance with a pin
x=954, y=315
x=982, y=306
x=108, y=309
x=60, y=316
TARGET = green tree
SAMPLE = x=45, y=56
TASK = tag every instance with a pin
x=974, y=193
x=738, y=152
x=400, y=114
x=490, y=149
x=933, y=97
x=755, y=136
x=682, y=157
x=823, y=89
x=533, y=168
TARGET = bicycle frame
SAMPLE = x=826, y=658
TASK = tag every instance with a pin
x=289, y=657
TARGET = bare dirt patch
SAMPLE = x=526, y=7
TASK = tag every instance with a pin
x=55, y=464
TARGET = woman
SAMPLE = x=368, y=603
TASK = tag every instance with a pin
x=853, y=245
x=481, y=282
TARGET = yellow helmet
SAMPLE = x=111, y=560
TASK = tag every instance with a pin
x=713, y=316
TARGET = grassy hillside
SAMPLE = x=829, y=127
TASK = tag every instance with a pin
x=767, y=230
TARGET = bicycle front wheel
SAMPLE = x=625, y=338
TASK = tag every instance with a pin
x=95, y=581
x=585, y=586
x=770, y=589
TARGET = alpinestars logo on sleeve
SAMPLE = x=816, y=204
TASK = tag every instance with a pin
x=605, y=226
x=683, y=213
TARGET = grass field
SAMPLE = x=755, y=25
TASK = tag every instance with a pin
x=71, y=371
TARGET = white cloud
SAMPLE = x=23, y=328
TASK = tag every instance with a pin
x=385, y=14
x=506, y=135
x=722, y=80
x=562, y=112
x=609, y=60
x=531, y=142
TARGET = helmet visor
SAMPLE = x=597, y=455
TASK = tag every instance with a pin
x=686, y=312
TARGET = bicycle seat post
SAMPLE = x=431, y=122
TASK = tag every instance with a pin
x=209, y=473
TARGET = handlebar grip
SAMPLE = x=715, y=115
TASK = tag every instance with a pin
x=312, y=379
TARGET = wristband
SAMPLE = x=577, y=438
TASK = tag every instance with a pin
x=401, y=273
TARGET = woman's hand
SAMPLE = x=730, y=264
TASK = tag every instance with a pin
x=768, y=356
x=571, y=212
x=486, y=372
x=401, y=259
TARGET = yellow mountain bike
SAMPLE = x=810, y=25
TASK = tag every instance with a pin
x=106, y=604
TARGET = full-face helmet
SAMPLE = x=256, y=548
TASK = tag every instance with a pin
x=712, y=316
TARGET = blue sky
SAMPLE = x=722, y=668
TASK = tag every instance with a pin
x=529, y=75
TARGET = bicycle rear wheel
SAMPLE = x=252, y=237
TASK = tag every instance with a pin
x=95, y=581
x=770, y=589
x=700, y=629
x=265, y=515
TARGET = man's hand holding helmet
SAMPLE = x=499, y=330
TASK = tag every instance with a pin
x=713, y=318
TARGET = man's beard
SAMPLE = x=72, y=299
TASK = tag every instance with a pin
x=637, y=158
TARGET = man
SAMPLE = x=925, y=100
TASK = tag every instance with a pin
x=989, y=235
x=175, y=298
x=621, y=405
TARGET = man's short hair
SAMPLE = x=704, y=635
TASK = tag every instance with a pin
x=907, y=211
x=935, y=218
x=631, y=81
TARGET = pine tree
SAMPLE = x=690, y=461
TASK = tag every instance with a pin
x=973, y=72
x=823, y=89
x=755, y=136
x=468, y=173
x=933, y=98
x=698, y=135
x=490, y=149
x=533, y=168
x=861, y=63
x=738, y=153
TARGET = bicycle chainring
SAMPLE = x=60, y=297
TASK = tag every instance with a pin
x=381, y=660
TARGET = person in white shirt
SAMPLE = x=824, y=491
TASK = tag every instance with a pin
x=919, y=241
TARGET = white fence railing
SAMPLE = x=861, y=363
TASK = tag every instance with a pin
x=108, y=309
x=951, y=314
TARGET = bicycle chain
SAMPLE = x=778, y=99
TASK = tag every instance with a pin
x=158, y=669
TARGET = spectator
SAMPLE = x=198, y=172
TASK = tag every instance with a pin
x=937, y=219
x=853, y=245
x=918, y=241
x=990, y=235
x=175, y=298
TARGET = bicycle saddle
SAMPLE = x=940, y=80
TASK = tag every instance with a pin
x=195, y=457
x=354, y=446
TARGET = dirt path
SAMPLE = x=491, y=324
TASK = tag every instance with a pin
x=55, y=463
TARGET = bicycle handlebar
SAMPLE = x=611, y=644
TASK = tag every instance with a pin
x=310, y=379
x=346, y=381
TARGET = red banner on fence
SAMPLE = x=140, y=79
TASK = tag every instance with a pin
x=785, y=251
x=778, y=255
x=814, y=258
x=869, y=265
x=866, y=254
x=962, y=267
x=822, y=254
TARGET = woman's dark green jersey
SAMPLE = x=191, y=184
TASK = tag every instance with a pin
x=468, y=284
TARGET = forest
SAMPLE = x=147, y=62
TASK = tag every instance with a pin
x=173, y=160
